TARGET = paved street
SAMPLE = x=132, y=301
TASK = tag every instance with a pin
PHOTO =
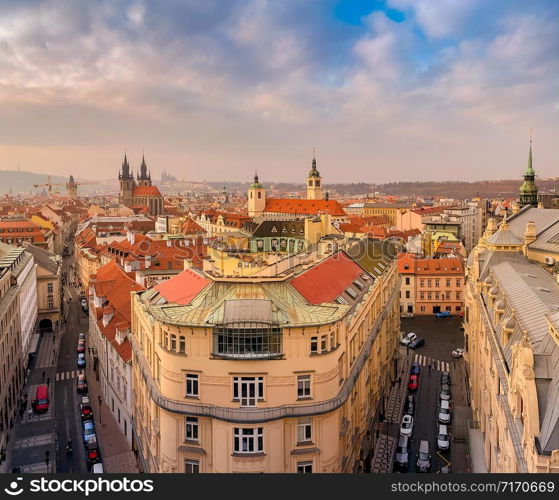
x=441, y=337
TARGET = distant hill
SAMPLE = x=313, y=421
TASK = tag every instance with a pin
x=22, y=181
x=451, y=189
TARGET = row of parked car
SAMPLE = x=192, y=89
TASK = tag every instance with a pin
x=89, y=435
x=423, y=462
x=410, y=340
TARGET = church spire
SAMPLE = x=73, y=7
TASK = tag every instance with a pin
x=528, y=190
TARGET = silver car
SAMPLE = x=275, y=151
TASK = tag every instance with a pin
x=402, y=452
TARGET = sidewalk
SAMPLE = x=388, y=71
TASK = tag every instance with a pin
x=382, y=460
x=116, y=454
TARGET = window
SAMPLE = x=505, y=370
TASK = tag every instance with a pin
x=429, y=295
x=173, y=342
x=314, y=345
x=191, y=467
x=447, y=295
x=332, y=341
x=429, y=283
x=182, y=344
x=458, y=282
x=247, y=340
x=304, y=430
x=248, y=390
x=192, y=385
x=49, y=287
x=304, y=467
x=422, y=295
x=448, y=282
x=191, y=429
x=422, y=282
x=248, y=440
x=303, y=386
x=323, y=343
x=407, y=281
x=407, y=294
x=437, y=283
x=458, y=296
x=50, y=304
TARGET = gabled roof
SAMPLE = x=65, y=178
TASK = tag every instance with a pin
x=324, y=282
x=272, y=228
x=304, y=207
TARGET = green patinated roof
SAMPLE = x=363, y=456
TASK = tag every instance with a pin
x=208, y=308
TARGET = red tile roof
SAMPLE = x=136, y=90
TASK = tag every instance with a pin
x=328, y=279
x=146, y=191
x=182, y=288
x=439, y=266
x=305, y=207
x=406, y=262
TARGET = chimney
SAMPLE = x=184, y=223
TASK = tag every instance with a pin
x=530, y=233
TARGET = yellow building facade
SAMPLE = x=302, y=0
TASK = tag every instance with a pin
x=256, y=375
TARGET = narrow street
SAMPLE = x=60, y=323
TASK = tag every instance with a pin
x=441, y=337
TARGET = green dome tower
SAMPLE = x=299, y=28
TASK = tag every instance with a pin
x=528, y=190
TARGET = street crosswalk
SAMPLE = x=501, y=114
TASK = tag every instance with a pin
x=437, y=364
x=69, y=375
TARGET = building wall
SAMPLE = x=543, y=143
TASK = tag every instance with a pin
x=337, y=435
x=445, y=291
x=48, y=296
x=407, y=294
x=27, y=283
x=11, y=366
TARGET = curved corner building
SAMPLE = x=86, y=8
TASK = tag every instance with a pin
x=287, y=373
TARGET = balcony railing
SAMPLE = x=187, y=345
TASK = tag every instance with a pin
x=259, y=415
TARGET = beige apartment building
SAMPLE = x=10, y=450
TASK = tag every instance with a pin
x=11, y=367
x=271, y=374
x=512, y=342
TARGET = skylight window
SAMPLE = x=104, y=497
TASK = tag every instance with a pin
x=341, y=300
x=351, y=292
x=365, y=276
x=358, y=284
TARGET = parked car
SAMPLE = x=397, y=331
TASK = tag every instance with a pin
x=423, y=457
x=84, y=303
x=81, y=384
x=416, y=343
x=406, y=427
x=443, y=314
x=81, y=346
x=413, y=383
x=407, y=315
x=88, y=431
x=415, y=368
x=81, y=336
x=445, y=378
x=97, y=468
x=81, y=360
x=443, y=441
x=446, y=469
x=86, y=412
x=402, y=452
x=92, y=452
x=41, y=402
x=410, y=405
x=407, y=338
x=458, y=353
x=444, y=412
x=445, y=392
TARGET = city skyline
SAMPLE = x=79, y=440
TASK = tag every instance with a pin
x=384, y=90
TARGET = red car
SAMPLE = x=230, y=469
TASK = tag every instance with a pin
x=413, y=383
x=81, y=346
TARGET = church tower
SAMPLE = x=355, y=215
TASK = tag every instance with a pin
x=126, y=180
x=256, y=198
x=72, y=188
x=314, y=188
x=144, y=179
x=528, y=189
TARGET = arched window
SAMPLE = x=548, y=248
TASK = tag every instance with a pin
x=259, y=195
x=251, y=194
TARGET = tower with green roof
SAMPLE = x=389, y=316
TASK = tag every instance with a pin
x=256, y=197
x=528, y=190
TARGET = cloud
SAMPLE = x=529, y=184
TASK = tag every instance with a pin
x=242, y=84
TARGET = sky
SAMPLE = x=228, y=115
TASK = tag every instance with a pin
x=385, y=90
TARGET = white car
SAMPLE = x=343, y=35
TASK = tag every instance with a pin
x=408, y=338
x=84, y=303
x=444, y=412
x=407, y=425
x=97, y=468
x=457, y=353
x=443, y=441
